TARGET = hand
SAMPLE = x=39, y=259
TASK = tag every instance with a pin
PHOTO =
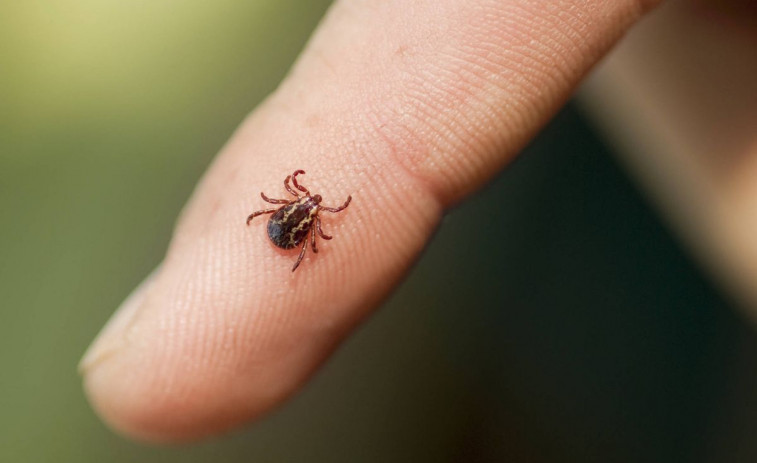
x=680, y=95
x=405, y=106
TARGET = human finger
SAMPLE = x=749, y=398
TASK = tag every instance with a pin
x=405, y=107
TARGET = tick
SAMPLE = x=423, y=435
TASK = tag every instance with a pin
x=291, y=223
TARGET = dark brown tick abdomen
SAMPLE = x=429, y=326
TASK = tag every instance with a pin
x=290, y=225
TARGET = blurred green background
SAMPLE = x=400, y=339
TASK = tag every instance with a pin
x=579, y=332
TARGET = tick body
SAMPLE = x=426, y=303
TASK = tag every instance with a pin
x=298, y=220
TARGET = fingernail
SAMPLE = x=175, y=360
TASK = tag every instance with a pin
x=112, y=337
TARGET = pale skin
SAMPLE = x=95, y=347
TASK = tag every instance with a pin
x=418, y=103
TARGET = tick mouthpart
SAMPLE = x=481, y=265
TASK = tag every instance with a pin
x=317, y=199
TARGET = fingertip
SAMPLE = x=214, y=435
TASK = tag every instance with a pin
x=147, y=414
x=152, y=399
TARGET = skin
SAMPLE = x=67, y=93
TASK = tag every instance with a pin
x=414, y=103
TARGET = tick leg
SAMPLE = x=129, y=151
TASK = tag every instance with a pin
x=255, y=214
x=320, y=230
x=302, y=253
x=340, y=208
x=297, y=185
x=288, y=187
x=274, y=201
x=312, y=239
